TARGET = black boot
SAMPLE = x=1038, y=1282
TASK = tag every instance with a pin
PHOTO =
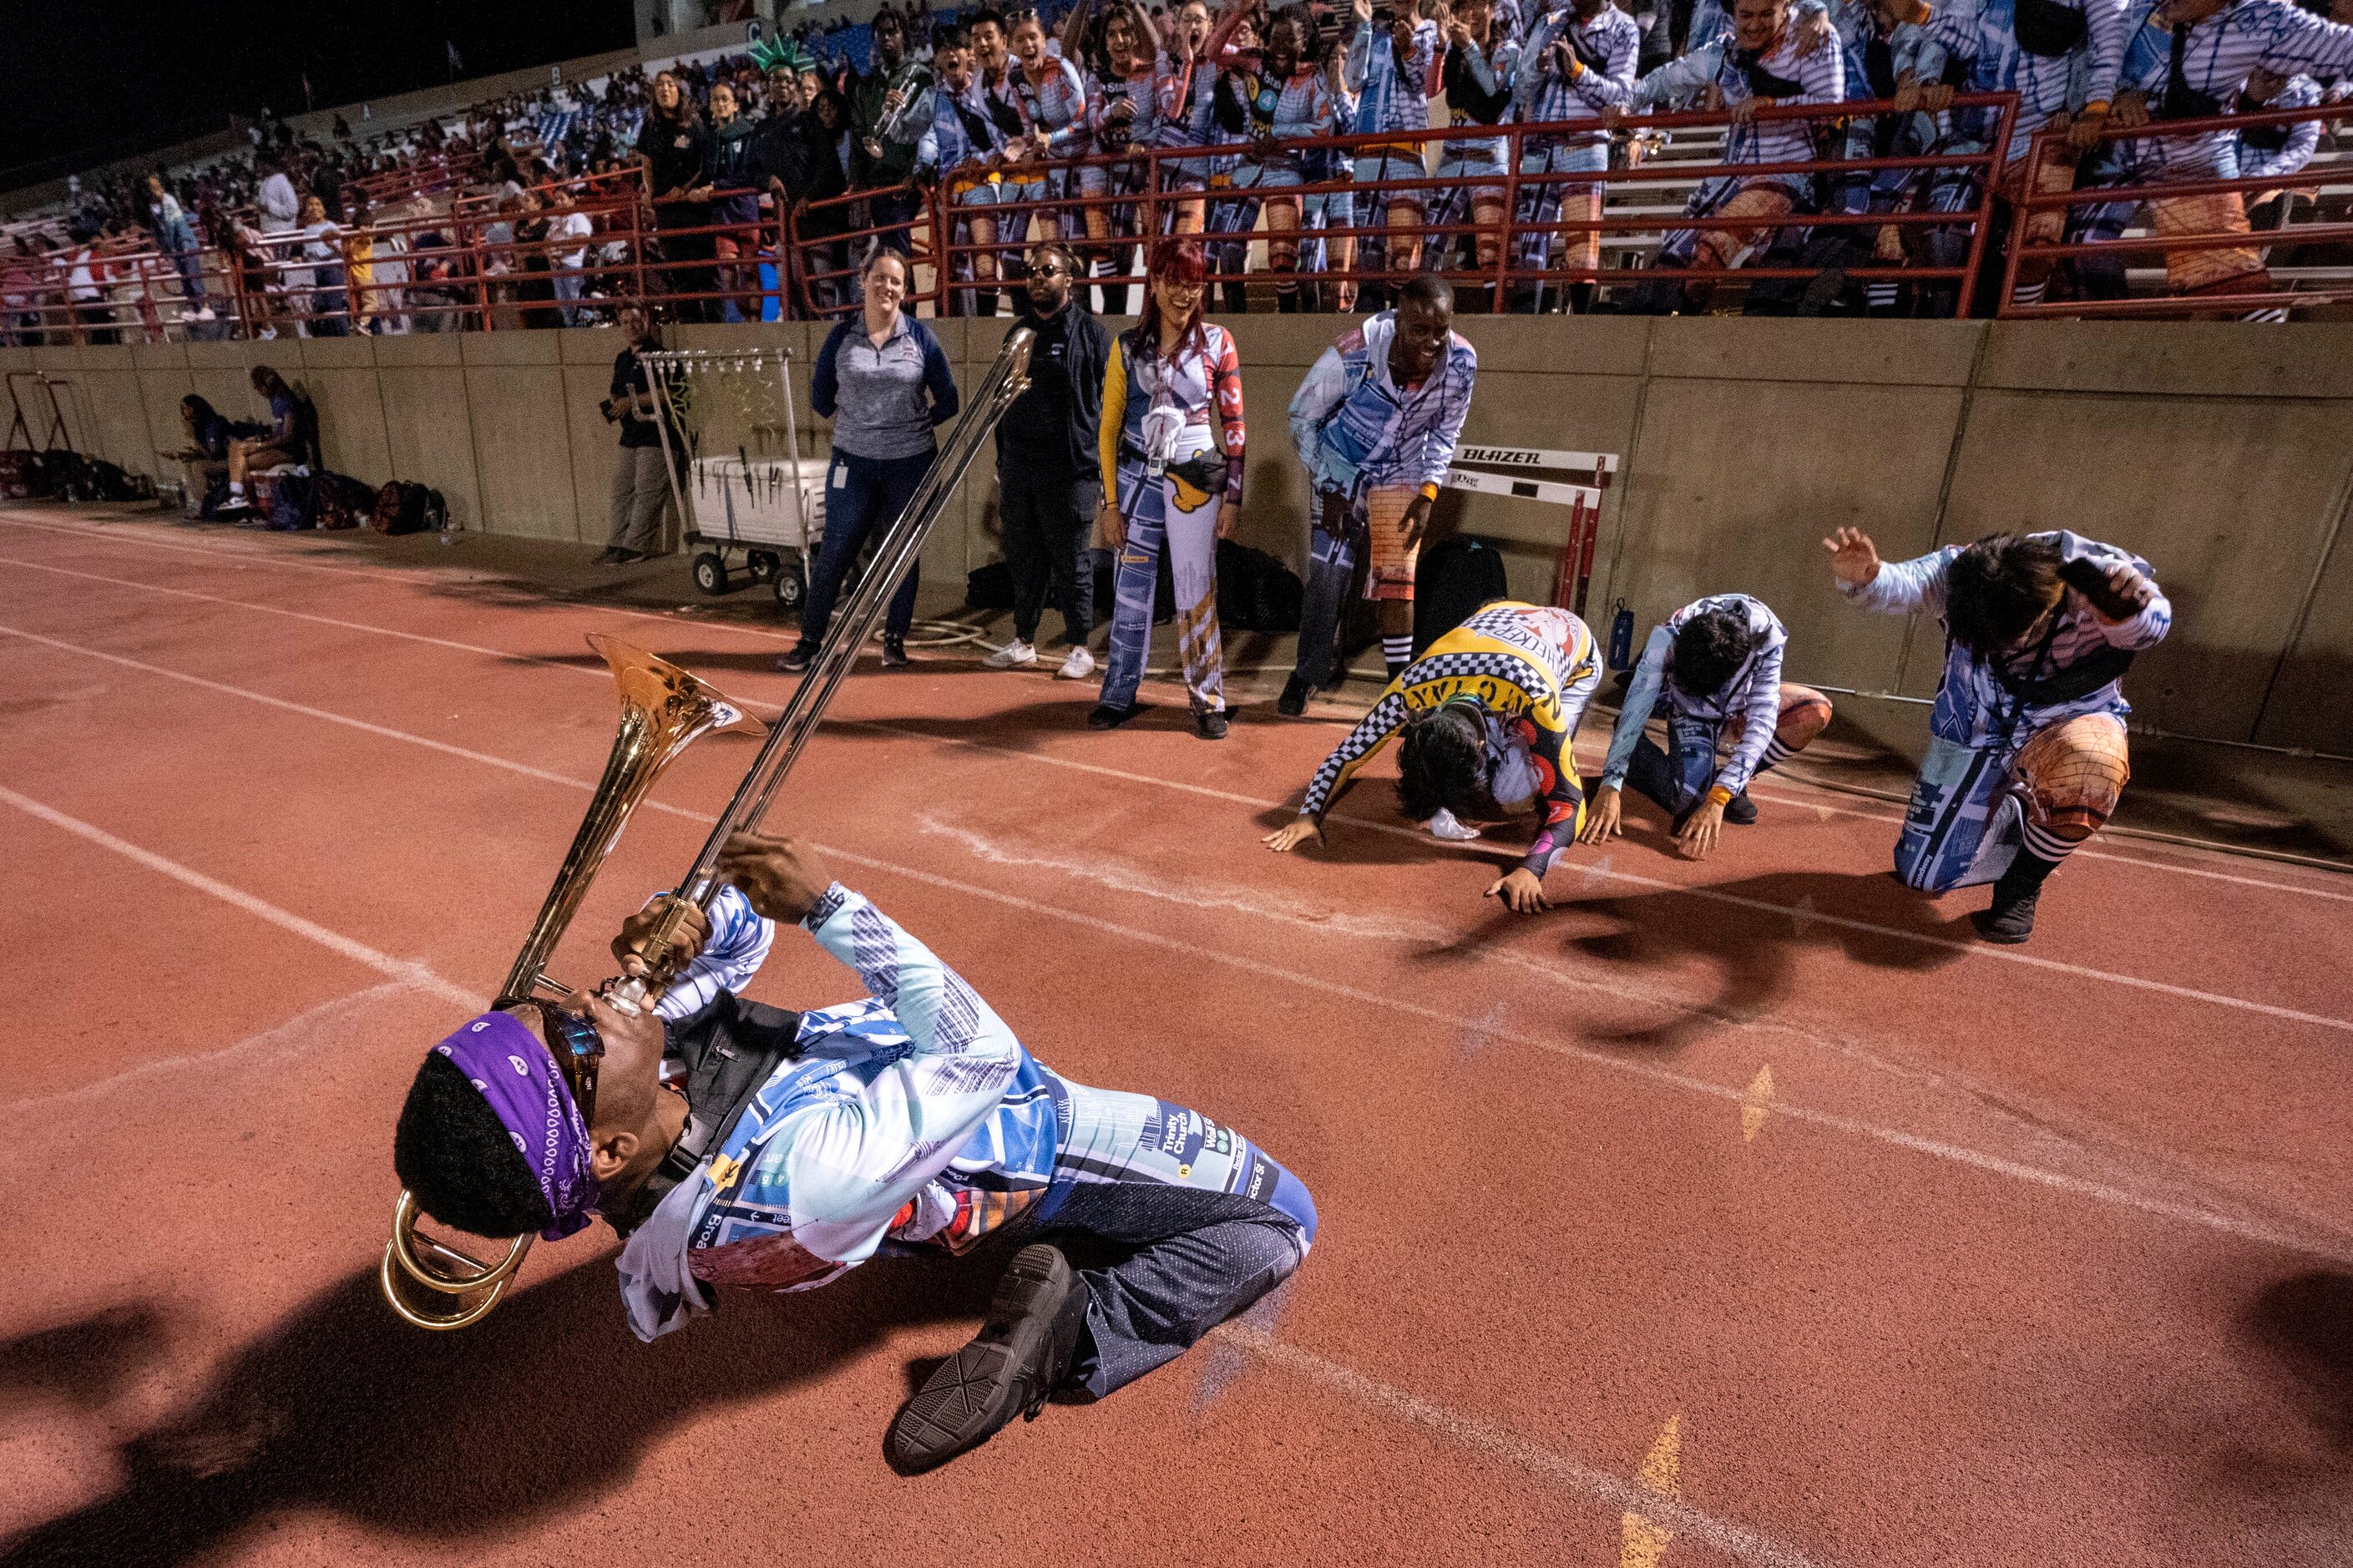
x=1021, y=1355
x=1580, y=299
x=1235, y=294
x=1293, y=701
x=2010, y=918
x=1286, y=299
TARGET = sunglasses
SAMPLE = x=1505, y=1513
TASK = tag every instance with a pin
x=579, y=1053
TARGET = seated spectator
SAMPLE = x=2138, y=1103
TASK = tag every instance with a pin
x=206, y=457
x=292, y=436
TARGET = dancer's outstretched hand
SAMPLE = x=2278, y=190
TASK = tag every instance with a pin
x=1294, y=834
x=1521, y=892
x=1854, y=560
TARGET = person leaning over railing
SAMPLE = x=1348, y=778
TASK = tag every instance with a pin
x=1883, y=41
x=2189, y=59
x=2061, y=58
x=2277, y=152
x=884, y=382
x=670, y=147
x=1766, y=63
x=1052, y=97
x=1184, y=83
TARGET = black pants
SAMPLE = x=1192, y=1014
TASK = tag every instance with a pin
x=1048, y=518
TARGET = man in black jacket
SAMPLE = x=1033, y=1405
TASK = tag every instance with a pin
x=1048, y=473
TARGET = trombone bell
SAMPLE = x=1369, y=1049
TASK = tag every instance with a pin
x=471, y=1286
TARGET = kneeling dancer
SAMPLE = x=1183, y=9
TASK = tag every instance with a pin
x=1715, y=666
x=1488, y=716
x=2026, y=748
x=734, y=1144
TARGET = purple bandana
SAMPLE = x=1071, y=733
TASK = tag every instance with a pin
x=517, y=1076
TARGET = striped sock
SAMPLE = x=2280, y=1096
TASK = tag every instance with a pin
x=1881, y=295
x=1399, y=651
x=2027, y=294
x=2044, y=844
x=1776, y=753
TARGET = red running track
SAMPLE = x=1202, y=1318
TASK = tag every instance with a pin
x=1742, y=1211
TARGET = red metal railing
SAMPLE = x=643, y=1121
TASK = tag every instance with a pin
x=1160, y=203
x=2025, y=252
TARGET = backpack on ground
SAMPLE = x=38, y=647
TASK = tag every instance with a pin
x=1454, y=578
x=401, y=507
x=1256, y=592
x=290, y=504
x=344, y=502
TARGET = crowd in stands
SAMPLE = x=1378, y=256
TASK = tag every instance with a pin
x=548, y=207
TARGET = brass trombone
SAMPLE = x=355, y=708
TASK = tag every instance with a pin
x=665, y=708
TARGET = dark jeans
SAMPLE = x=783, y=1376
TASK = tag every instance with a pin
x=1048, y=516
x=1675, y=783
x=1331, y=569
x=863, y=496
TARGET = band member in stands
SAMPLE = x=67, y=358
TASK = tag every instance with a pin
x=2189, y=59
x=734, y=1144
x=1602, y=43
x=1769, y=60
x=1714, y=668
x=1388, y=68
x=962, y=150
x=2026, y=749
x=1479, y=68
x=1120, y=49
x=1488, y=719
x=1171, y=448
x=1375, y=423
x=1266, y=101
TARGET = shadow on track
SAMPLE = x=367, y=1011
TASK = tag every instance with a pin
x=1755, y=950
x=84, y=1363
x=2306, y=1321
x=545, y=1405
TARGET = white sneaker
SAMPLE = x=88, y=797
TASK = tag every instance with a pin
x=1078, y=666
x=1444, y=826
x=1015, y=655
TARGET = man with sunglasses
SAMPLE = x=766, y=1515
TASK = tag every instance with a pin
x=1048, y=478
x=734, y=1144
x=1487, y=718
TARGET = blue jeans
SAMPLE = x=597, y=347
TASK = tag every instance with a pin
x=863, y=496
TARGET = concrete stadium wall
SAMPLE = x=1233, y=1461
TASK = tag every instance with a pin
x=2219, y=452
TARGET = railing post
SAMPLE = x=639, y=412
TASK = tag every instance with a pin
x=1997, y=148
x=1507, y=241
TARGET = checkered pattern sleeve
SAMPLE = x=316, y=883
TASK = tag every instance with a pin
x=1371, y=733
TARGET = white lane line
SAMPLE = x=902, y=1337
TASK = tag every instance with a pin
x=1500, y=1443
x=1588, y=869
x=405, y=970
x=297, y=1036
x=1810, y=803
x=1092, y=920
x=301, y=1034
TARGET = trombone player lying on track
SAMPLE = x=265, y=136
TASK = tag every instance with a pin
x=734, y=1143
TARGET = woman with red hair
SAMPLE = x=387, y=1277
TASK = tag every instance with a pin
x=1171, y=447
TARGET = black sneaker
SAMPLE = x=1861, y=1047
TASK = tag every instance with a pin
x=1106, y=717
x=2010, y=919
x=1293, y=701
x=1740, y=811
x=1209, y=723
x=796, y=658
x=894, y=654
x=1022, y=1354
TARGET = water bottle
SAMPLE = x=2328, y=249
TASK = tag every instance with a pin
x=1621, y=637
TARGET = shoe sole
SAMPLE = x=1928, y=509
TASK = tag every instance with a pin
x=972, y=1394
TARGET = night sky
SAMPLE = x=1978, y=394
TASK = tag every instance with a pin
x=81, y=73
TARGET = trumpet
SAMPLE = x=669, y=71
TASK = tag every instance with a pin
x=664, y=709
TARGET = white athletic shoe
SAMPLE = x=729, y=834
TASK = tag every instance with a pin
x=1078, y=666
x=1444, y=826
x=1015, y=655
